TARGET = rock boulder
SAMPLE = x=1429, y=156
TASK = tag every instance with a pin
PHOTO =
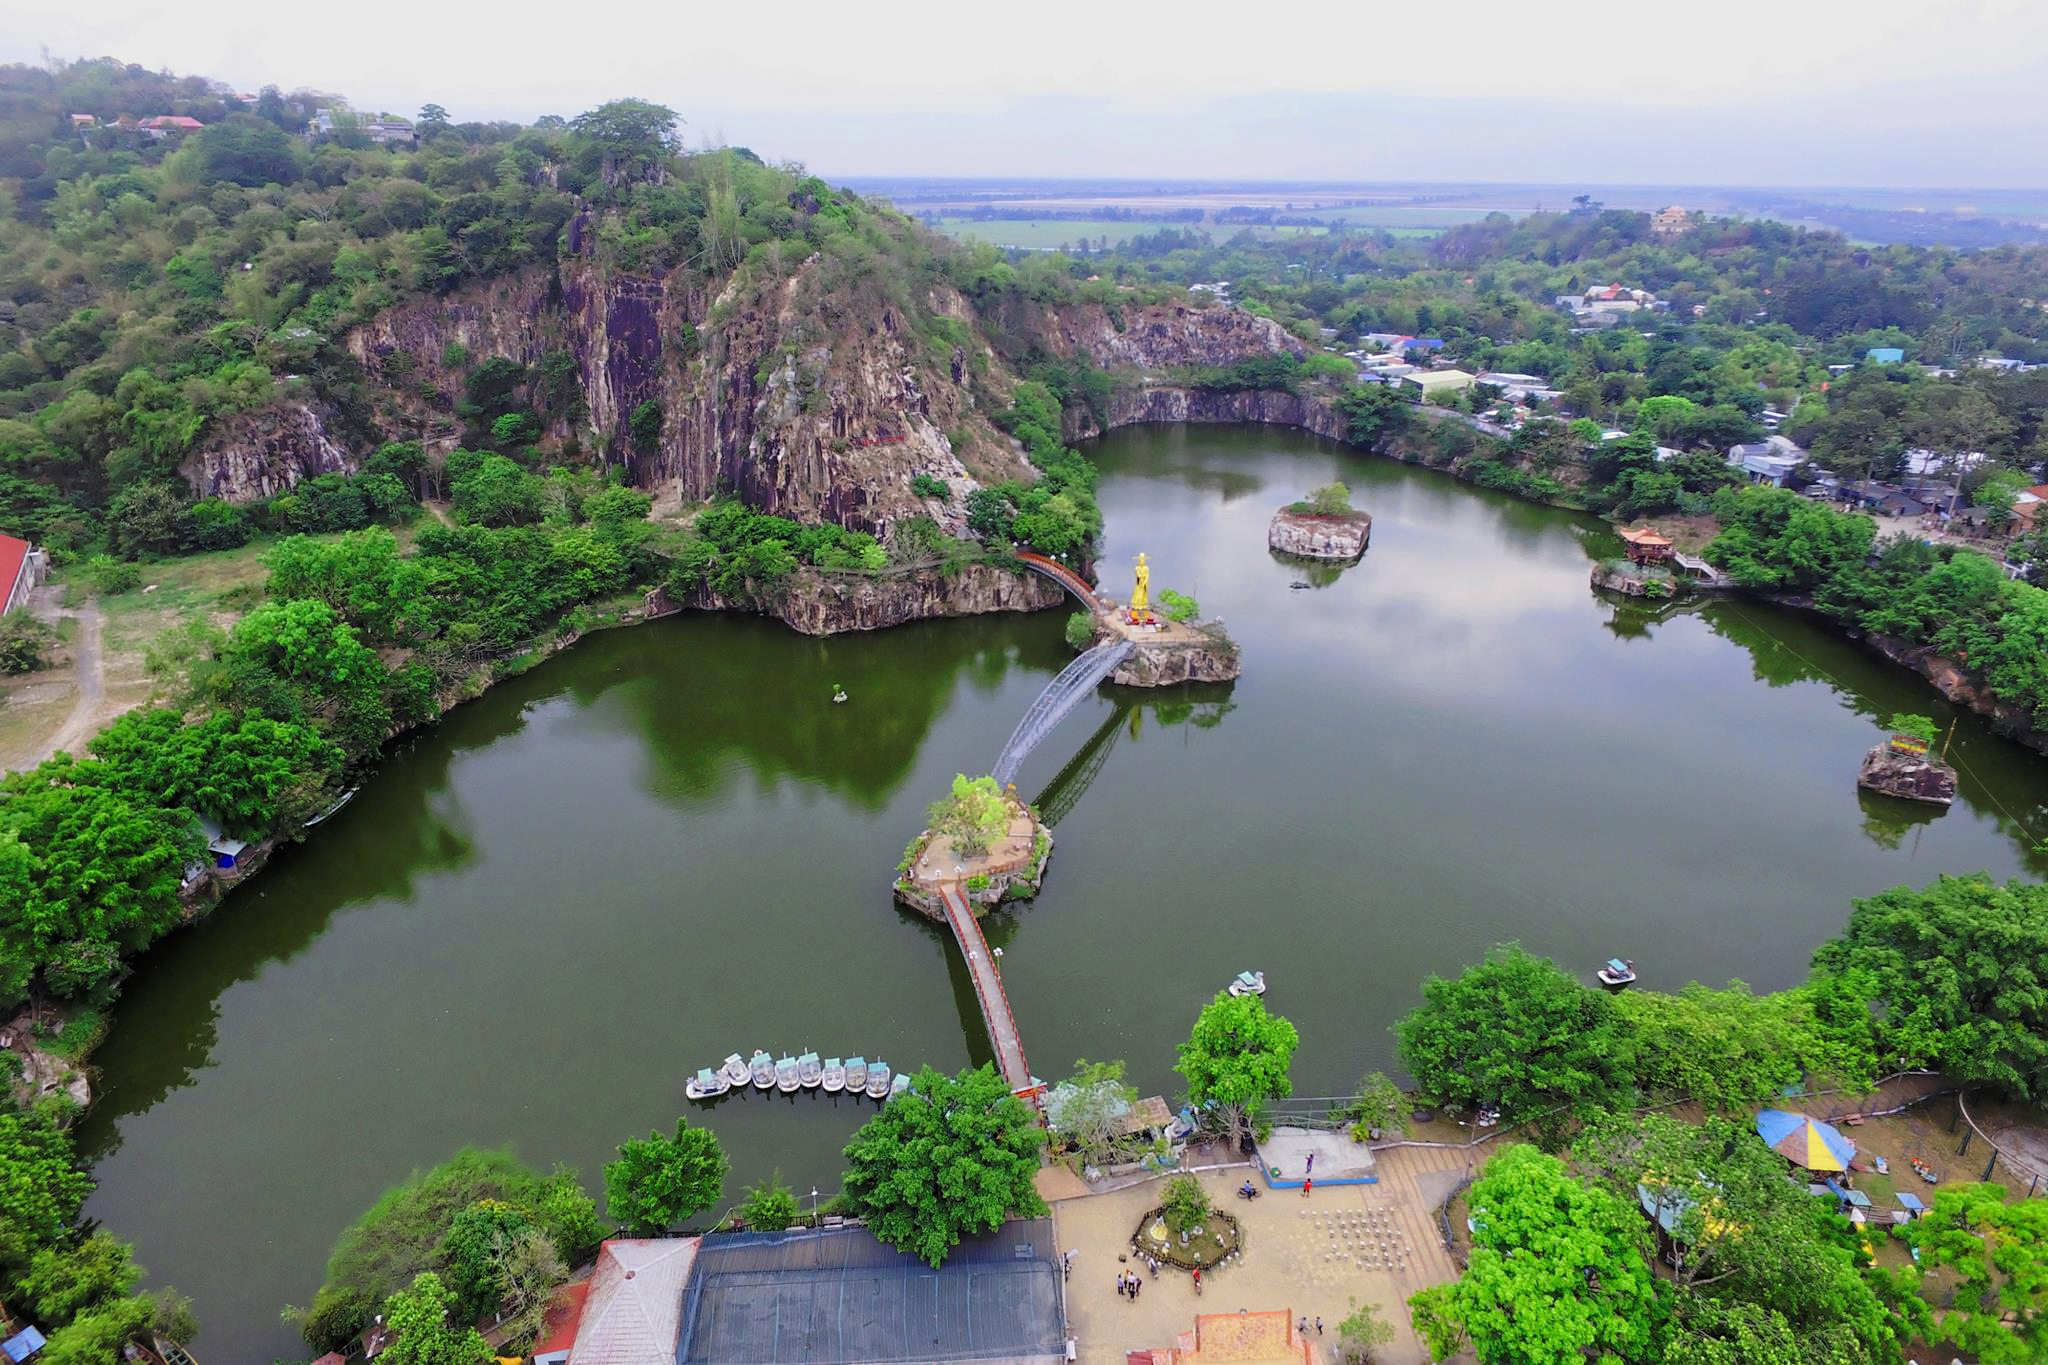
x=1909, y=777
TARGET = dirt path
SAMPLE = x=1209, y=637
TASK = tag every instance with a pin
x=90, y=711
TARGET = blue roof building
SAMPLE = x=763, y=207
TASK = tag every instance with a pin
x=1884, y=355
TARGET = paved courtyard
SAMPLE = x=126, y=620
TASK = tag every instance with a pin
x=1311, y=1256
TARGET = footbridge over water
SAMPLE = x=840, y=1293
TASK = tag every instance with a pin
x=988, y=989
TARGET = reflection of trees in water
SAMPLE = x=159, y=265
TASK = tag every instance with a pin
x=403, y=824
x=1887, y=820
x=718, y=690
x=1993, y=775
x=1198, y=707
x=1316, y=573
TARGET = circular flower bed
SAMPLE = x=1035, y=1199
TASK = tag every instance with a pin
x=1219, y=1239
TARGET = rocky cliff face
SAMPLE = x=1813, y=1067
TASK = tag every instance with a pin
x=1166, y=403
x=829, y=604
x=258, y=455
x=807, y=391
x=1162, y=665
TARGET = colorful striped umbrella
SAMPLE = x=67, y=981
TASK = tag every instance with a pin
x=1806, y=1142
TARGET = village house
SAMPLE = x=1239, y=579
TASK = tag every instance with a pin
x=162, y=126
x=22, y=568
x=386, y=129
x=1669, y=222
x=1770, y=460
x=1431, y=382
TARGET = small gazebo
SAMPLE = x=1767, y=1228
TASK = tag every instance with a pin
x=1645, y=546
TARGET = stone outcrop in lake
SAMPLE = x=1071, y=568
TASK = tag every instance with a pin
x=1165, y=663
x=1910, y=777
x=1341, y=538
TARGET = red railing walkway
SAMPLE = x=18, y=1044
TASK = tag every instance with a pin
x=1065, y=577
x=988, y=988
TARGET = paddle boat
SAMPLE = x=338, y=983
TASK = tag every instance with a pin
x=1926, y=1172
x=809, y=1073
x=762, y=1069
x=1248, y=983
x=856, y=1075
x=1617, y=972
x=899, y=1085
x=706, y=1085
x=834, y=1079
x=786, y=1075
x=735, y=1070
x=878, y=1079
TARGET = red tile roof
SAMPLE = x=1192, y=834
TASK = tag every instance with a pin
x=565, y=1314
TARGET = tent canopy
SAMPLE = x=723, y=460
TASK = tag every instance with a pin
x=1803, y=1141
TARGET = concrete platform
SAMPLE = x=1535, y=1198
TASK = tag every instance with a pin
x=1338, y=1160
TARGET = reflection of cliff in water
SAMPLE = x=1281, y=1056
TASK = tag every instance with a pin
x=751, y=696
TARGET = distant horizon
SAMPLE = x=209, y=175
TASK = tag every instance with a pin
x=1763, y=94
x=1582, y=186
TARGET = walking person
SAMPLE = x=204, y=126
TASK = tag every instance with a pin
x=1306, y=1186
x=1198, y=1279
x=1319, y=1326
x=1311, y=1170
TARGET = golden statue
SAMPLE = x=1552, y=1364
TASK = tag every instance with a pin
x=1141, y=595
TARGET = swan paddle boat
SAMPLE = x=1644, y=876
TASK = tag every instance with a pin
x=878, y=1080
x=1248, y=983
x=809, y=1072
x=856, y=1075
x=706, y=1085
x=834, y=1079
x=762, y=1068
x=899, y=1085
x=786, y=1075
x=735, y=1070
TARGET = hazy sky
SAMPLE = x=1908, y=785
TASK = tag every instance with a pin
x=1882, y=92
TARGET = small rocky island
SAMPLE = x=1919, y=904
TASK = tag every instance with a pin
x=981, y=838
x=1171, y=644
x=1321, y=526
x=1906, y=767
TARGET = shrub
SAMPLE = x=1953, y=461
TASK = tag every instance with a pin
x=1178, y=606
x=108, y=576
x=25, y=643
x=1919, y=727
x=769, y=1206
x=1331, y=500
x=1081, y=629
x=645, y=425
x=928, y=486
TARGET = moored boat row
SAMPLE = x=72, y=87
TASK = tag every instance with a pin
x=854, y=1076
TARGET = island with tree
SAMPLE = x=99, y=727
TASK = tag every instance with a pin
x=1324, y=525
x=981, y=837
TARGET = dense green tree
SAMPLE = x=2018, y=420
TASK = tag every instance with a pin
x=1730, y=1048
x=1957, y=974
x=244, y=150
x=1091, y=1110
x=952, y=1157
x=43, y=1191
x=1999, y=1253
x=659, y=1181
x=404, y=1234
x=1517, y=1031
x=1235, y=1061
x=1773, y=540
x=299, y=661
x=247, y=773
x=497, y=493
x=65, y=1280
x=422, y=1330
x=1557, y=1273
x=971, y=817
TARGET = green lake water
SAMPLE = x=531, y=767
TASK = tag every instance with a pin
x=540, y=916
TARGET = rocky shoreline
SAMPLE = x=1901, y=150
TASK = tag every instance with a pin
x=1338, y=539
